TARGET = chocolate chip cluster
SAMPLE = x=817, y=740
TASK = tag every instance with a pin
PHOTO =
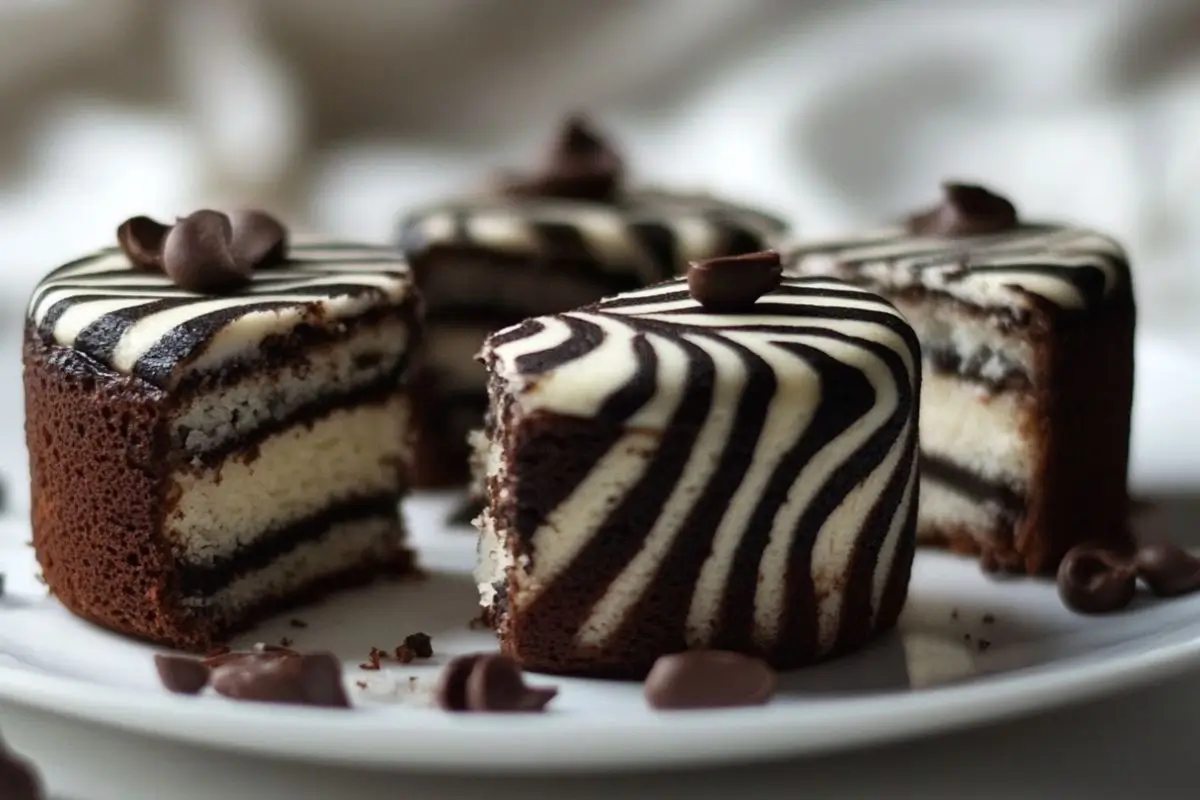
x=207, y=251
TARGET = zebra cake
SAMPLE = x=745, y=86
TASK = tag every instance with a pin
x=1027, y=332
x=565, y=236
x=723, y=461
x=223, y=440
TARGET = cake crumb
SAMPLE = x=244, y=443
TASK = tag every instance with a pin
x=984, y=644
x=988, y=619
x=966, y=637
x=298, y=623
x=285, y=641
x=374, y=659
x=954, y=613
x=361, y=684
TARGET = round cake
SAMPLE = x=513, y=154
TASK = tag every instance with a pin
x=548, y=242
x=216, y=442
x=669, y=473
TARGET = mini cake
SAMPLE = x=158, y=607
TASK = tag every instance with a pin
x=566, y=236
x=684, y=467
x=1027, y=333
x=218, y=442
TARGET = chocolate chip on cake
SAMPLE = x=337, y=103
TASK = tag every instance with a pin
x=181, y=674
x=1096, y=580
x=141, y=239
x=733, y=284
x=258, y=239
x=311, y=679
x=709, y=679
x=966, y=210
x=489, y=683
x=198, y=254
x=582, y=165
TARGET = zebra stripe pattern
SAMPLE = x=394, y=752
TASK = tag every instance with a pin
x=1070, y=268
x=645, y=238
x=746, y=481
x=138, y=322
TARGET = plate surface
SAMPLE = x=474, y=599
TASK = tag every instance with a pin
x=970, y=649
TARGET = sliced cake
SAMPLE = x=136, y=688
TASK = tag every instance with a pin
x=565, y=236
x=216, y=424
x=1027, y=333
x=721, y=461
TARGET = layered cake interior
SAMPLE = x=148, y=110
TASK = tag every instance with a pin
x=1027, y=335
x=201, y=459
x=662, y=476
x=557, y=239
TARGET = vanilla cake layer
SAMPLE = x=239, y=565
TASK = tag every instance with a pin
x=1027, y=342
x=661, y=478
x=201, y=460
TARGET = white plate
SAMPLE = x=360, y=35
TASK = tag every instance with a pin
x=969, y=650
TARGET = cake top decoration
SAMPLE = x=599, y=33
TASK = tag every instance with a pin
x=581, y=165
x=966, y=210
x=733, y=284
x=207, y=251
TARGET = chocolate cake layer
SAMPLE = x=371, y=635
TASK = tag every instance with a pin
x=489, y=261
x=662, y=477
x=199, y=459
x=1027, y=335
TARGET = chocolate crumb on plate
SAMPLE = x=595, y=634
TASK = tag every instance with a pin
x=419, y=644
x=983, y=644
x=708, y=679
x=298, y=623
x=181, y=674
x=313, y=679
x=361, y=684
x=988, y=619
x=285, y=641
x=485, y=682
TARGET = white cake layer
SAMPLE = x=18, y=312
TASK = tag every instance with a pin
x=987, y=434
x=344, y=546
x=215, y=418
x=352, y=452
x=944, y=510
x=451, y=350
x=944, y=326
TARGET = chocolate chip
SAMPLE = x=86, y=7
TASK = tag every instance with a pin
x=581, y=166
x=313, y=680
x=1167, y=569
x=966, y=210
x=259, y=239
x=141, y=239
x=709, y=679
x=733, y=284
x=419, y=644
x=489, y=683
x=18, y=781
x=180, y=674
x=198, y=254
x=1096, y=580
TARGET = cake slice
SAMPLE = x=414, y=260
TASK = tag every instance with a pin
x=723, y=461
x=1027, y=334
x=565, y=236
x=203, y=457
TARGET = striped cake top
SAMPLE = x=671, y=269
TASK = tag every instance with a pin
x=139, y=322
x=648, y=234
x=626, y=358
x=1068, y=267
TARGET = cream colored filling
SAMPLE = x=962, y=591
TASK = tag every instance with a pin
x=943, y=509
x=977, y=430
x=351, y=452
x=214, y=418
x=345, y=546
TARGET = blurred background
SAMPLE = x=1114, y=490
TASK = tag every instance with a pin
x=339, y=114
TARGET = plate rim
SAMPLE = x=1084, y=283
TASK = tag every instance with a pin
x=451, y=742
